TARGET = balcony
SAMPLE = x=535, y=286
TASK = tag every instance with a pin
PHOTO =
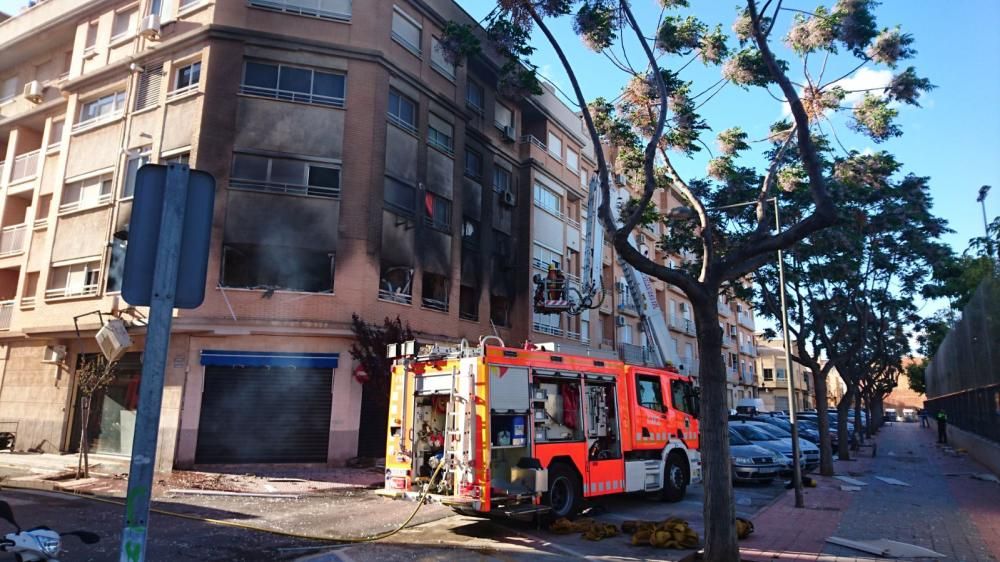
x=12, y=239
x=25, y=166
x=546, y=329
x=683, y=325
x=748, y=349
x=82, y=204
x=69, y=292
x=628, y=307
x=687, y=365
x=746, y=319
x=637, y=355
x=725, y=309
x=6, y=312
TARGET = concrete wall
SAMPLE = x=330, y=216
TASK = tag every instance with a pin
x=35, y=394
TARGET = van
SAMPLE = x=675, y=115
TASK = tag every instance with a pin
x=890, y=415
x=749, y=406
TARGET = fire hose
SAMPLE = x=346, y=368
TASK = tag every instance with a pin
x=421, y=499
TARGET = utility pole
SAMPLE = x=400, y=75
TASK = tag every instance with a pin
x=796, y=465
x=983, y=192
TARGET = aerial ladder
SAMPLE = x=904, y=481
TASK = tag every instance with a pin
x=553, y=295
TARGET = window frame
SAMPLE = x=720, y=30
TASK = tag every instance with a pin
x=439, y=62
x=277, y=93
x=657, y=391
x=398, y=38
x=128, y=178
x=282, y=6
x=440, y=139
x=478, y=173
x=540, y=200
x=89, y=267
x=82, y=203
x=554, y=148
x=395, y=118
x=301, y=190
x=473, y=86
x=117, y=110
x=193, y=86
x=430, y=212
x=572, y=163
x=12, y=80
x=131, y=11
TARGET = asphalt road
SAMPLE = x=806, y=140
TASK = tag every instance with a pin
x=436, y=534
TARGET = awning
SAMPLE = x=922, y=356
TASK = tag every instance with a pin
x=269, y=359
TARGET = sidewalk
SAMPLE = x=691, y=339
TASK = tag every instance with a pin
x=943, y=508
x=109, y=476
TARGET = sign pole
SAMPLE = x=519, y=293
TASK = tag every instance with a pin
x=143, y=464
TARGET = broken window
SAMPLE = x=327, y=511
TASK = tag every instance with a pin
x=468, y=303
x=279, y=242
x=396, y=258
x=284, y=175
x=499, y=310
x=435, y=291
x=437, y=211
x=288, y=268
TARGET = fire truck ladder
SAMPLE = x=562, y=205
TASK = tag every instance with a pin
x=458, y=451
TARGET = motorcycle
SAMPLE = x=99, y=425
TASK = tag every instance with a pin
x=39, y=544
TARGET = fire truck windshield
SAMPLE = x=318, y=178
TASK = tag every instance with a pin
x=684, y=397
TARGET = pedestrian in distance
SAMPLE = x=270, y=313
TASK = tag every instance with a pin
x=924, y=422
x=942, y=420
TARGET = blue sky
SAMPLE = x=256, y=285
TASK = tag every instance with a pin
x=954, y=139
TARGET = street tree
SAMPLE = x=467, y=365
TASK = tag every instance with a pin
x=94, y=374
x=656, y=121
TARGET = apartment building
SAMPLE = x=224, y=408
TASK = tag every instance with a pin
x=773, y=378
x=357, y=171
x=615, y=327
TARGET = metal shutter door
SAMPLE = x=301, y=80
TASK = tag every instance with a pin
x=264, y=415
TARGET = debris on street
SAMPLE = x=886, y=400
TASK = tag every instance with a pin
x=887, y=548
x=891, y=481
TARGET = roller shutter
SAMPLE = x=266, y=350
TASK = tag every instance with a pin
x=270, y=414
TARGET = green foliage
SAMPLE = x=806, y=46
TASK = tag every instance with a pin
x=856, y=24
x=813, y=33
x=915, y=372
x=733, y=140
x=890, y=47
x=874, y=117
x=649, y=216
x=712, y=48
x=747, y=68
x=459, y=42
x=906, y=87
x=678, y=35
x=369, y=349
x=595, y=24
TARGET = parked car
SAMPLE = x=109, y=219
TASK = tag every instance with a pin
x=752, y=463
x=806, y=447
x=909, y=415
x=805, y=432
x=890, y=415
x=758, y=434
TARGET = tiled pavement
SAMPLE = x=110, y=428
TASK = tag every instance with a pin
x=955, y=515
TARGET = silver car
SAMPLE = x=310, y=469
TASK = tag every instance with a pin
x=751, y=431
x=809, y=450
x=752, y=463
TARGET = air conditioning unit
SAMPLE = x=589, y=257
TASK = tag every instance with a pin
x=33, y=91
x=507, y=198
x=620, y=179
x=54, y=354
x=150, y=26
x=509, y=133
x=113, y=339
x=620, y=321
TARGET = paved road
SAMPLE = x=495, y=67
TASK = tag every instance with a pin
x=437, y=534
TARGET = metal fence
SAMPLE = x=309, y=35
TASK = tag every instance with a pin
x=963, y=377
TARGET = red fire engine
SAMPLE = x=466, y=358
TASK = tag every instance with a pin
x=523, y=431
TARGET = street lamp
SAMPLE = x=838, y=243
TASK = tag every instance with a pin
x=688, y=213
x=983, y=191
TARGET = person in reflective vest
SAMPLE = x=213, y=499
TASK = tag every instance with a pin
x=942, y=419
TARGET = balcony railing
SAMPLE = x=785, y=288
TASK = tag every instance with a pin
x=637, y=355
x=395, y=296
x=682, y=324
x=6, y=312
x=532, y=139
x=546, y=329
x=25, y=166
x=84, y=203
x=27, y=303
x=12, y=239
x=725, y=310
x=746, y=319
x=66, y=292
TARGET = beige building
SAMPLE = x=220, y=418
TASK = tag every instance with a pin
x=357, y=172
x=773, y=377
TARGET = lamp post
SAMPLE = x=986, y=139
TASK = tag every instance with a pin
x=684, y=212
x=983, y=191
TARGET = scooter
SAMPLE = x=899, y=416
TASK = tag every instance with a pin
x=39, y=544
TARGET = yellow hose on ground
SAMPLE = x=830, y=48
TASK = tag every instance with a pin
x=372, y=538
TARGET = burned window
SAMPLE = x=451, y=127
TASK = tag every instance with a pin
x=500, y=310
x=470, y=234
x=288, y=268
x=437, y=212
x=400, y=197
x=468, y=303
x=435, y=291
x=473, y=164
x=396, y=258
x=276, y=242
x=285, y=175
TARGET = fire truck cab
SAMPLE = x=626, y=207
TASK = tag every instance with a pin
x=527, y=431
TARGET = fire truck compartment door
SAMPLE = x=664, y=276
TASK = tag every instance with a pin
x=509, y=389
x=433, y=384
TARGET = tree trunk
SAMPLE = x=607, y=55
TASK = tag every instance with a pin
x=858, y=428
x=876, y=414
x=85, y=444
x=825, y=445
x=84, y=422
x=843, y=450
x=719, y=509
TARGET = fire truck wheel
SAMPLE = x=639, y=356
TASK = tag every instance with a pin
x=674, y=479
x=565, y=494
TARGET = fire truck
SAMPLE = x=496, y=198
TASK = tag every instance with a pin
x=534, y=431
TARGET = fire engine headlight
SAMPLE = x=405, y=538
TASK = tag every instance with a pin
x=48, y=545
